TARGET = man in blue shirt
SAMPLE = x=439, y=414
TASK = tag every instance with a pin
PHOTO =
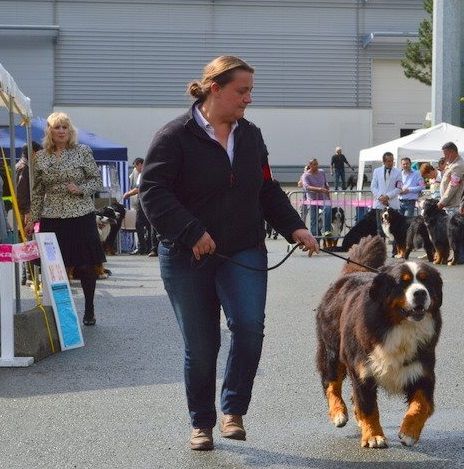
x=412, y=186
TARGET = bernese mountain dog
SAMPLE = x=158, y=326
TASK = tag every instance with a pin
x=380, y=327
x=407, y=233
x=114, y=214
x=456, y=238
x=436, y=220
x=365, y=226
x=337, y=224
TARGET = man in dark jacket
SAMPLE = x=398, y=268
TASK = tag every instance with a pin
x=337, y=166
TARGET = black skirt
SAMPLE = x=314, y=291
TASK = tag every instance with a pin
x=78, y=239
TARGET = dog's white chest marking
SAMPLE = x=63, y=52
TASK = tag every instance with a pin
x=337, y=226
x=392, y=363
x=105, y=231
x=386, y=230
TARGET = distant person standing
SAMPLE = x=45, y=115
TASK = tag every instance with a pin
x=133, y=177
x=337, y=165
x=413, y=184
x=429, y=173
x=142, y=225
x=441, y=165
x=318, y=194
x=452, y=182
x=386, y=187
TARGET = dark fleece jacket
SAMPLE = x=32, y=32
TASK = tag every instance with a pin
x=189, y=186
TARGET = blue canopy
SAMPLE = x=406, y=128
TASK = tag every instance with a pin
x=103, y=150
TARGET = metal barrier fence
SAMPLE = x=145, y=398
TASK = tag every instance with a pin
x=323, y=216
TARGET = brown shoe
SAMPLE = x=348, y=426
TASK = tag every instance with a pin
x=202, y=439
x=231, y=426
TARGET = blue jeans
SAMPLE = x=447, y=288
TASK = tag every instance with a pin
x=408, y=207
x=317, y=230
x=340, y=176
x=197, y=292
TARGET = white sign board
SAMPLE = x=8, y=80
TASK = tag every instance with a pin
x=56, y=289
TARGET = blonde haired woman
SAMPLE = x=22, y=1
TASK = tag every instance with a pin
x=65, y=178
x=207, y=187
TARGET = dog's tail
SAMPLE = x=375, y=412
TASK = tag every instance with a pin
x=371, y=252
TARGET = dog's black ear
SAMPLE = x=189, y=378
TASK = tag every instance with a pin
x=382, y=285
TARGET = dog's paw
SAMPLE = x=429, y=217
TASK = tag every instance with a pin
x=407, y=440
x=376, y=441
x=340, y=419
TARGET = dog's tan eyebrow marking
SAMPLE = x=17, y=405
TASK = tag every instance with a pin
x=421, y=275
x=406, y=277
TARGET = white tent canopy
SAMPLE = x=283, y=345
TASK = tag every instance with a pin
x=9, y=90
x=421, y=145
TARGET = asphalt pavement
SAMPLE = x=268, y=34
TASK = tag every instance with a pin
x=119, y=401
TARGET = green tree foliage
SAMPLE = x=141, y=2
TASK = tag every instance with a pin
x=417, y=62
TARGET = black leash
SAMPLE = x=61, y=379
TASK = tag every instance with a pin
x=249, y=267
x=346, y=259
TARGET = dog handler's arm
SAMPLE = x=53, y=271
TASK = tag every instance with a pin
x=307, y=240
x=130, y=193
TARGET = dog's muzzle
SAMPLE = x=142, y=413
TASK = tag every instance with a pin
x=419, y=301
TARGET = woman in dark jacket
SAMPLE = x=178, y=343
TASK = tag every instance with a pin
x=207, y=187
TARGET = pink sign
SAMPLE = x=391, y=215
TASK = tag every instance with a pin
x=5, y=253
x=19, y=252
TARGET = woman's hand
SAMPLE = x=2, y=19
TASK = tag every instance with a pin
x=307, y=240
x=73, y=188
x=205, y=245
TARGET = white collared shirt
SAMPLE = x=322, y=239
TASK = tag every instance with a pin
x=209, y=129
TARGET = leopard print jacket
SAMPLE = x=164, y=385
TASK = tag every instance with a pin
x=50, y=197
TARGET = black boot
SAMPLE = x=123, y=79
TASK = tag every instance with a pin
x=88, y=278
x=89, y=318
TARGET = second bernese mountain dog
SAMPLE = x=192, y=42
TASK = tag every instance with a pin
x=407, y=233
x=380, y=328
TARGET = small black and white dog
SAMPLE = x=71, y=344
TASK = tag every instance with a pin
x=109, y=221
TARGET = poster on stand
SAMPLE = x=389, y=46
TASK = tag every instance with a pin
x=57, y=291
